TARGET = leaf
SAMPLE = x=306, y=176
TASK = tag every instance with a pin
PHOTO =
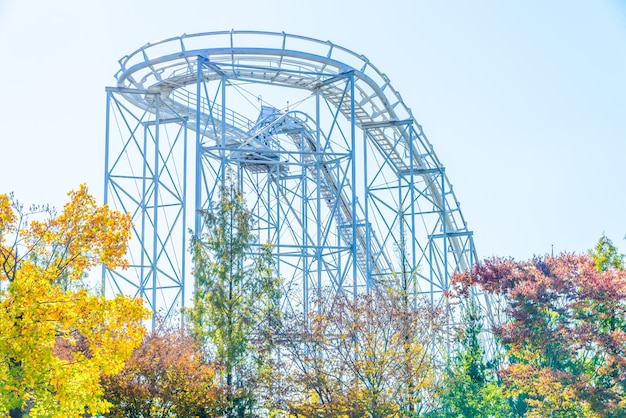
x=56, y=338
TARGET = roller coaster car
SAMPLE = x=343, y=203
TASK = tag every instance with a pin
x=259, y=151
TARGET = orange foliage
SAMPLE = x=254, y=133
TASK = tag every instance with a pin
x=167, y=376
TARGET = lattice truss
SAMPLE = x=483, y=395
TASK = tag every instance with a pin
x=339, y=176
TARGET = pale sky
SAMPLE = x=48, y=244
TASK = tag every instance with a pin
x=523, y=101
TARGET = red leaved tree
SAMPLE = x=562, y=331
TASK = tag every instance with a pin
x=565, y=333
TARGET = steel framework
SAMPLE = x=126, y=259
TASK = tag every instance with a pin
x=339, y=176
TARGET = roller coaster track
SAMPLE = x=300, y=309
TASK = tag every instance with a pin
x=263, y=57
x=184, y=80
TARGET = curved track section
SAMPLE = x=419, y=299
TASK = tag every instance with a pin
x=341, y=178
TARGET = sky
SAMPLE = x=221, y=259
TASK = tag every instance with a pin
x=524, y=102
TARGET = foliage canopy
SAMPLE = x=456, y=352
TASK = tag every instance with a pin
x=565, y=334
x=56, y=338
x=362, y=356
x=168, y=375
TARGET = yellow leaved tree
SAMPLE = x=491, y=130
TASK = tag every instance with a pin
x=57, y=338
x=363, y=356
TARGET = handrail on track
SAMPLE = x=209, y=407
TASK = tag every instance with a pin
x=177, y=45
x=371, y=84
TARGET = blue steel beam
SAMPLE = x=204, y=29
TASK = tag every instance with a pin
x=338, y=214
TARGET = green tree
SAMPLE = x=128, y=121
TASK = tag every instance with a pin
x=236, y=299
x=606, y=256
x=470, y=387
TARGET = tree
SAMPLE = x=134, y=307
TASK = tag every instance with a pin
x=606, y=256
x=56, y=338
x=236, y=299
x=470, y=387
x=565, y=336
x=356, y=357
x=167, y=376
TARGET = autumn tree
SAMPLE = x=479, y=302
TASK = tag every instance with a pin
x=168, y=375
x=356, y=357
x=56, y=338
x=236, y=299
x=565, y=336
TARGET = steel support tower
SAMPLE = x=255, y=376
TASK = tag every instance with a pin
x=339, y=176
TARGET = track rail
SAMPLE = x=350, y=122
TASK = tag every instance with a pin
x=300, y=62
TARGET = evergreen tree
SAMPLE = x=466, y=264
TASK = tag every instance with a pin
x=470, y=387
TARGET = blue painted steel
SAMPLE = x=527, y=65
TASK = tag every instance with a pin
x=337, y=214
x=353, y=234
x=142, y=180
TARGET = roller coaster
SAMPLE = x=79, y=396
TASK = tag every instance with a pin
x=339, y=176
